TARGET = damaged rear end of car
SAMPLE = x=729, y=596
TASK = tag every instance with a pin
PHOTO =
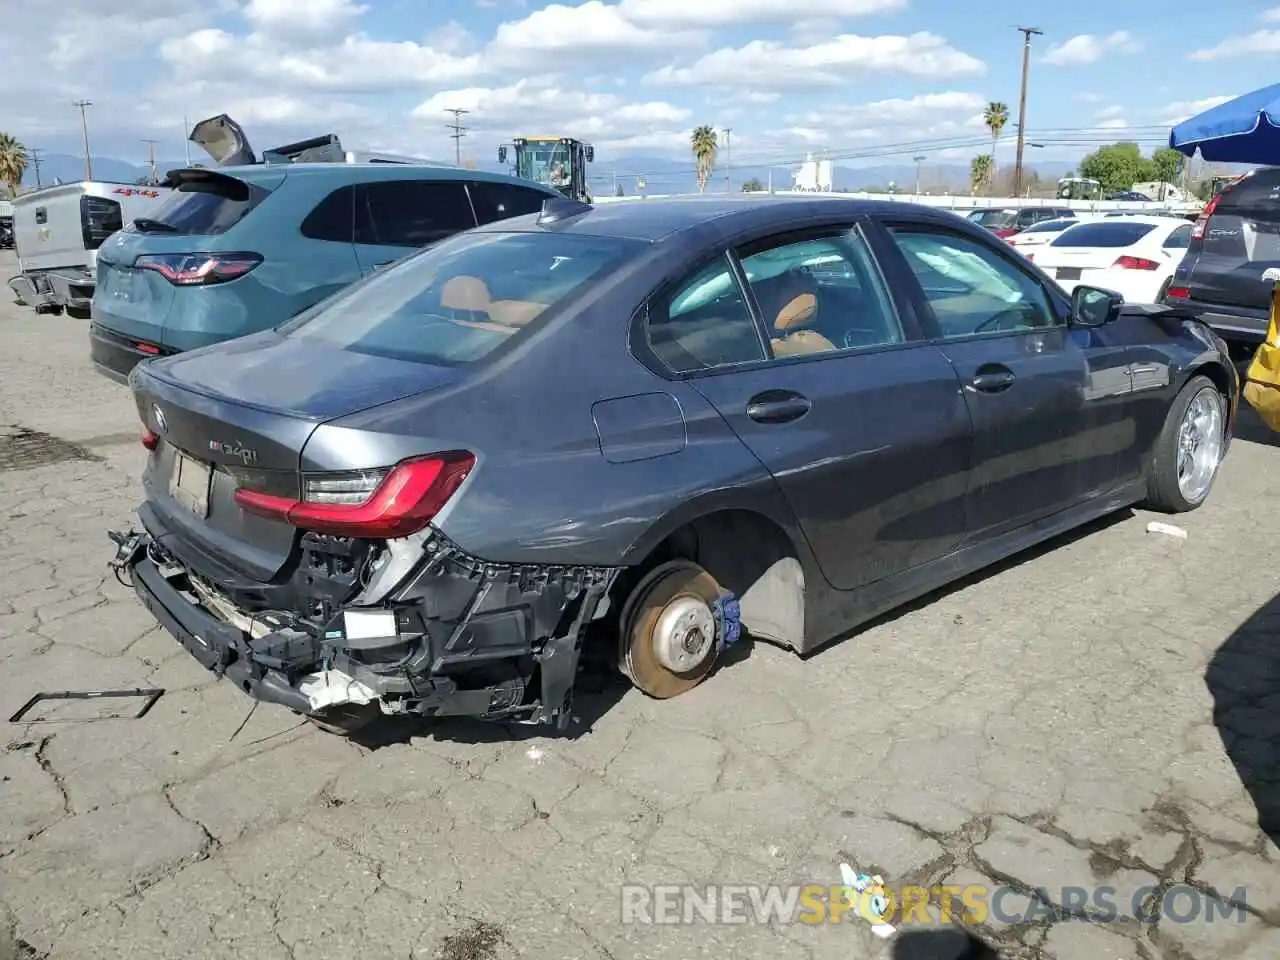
x=305, y=559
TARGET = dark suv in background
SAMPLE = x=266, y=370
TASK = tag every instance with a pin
x=1235, y=239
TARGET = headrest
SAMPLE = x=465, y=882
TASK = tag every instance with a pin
x=796, y=312
x=465, y=293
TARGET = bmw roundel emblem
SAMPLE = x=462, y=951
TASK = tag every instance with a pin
x=162, y=425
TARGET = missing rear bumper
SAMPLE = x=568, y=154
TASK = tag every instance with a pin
x=458, y=637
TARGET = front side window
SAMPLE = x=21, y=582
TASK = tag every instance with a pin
x=970, y=288
x=498, y=201
x=821, y=295
x=411, y=213
x=463, y=298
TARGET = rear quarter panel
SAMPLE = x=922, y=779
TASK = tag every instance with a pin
x=543, y=490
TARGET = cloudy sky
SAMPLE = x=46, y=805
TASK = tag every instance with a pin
x=860, y=79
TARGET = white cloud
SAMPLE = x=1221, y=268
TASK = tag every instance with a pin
x=927, y=106
x=301, y=18
x=590, y=28
x=1185, y=109
x=1088, y=48
x=1260, y=42
x=771, y=65
x=1270, y=16
x=1109, y=113
x=1086, y=97
x=573, y=112
x=1113, y=123
x=724, y=13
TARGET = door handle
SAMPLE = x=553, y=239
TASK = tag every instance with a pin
x=384, y=263
x=777, y=406
x=992, y=380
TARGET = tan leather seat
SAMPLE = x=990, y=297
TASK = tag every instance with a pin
x=798, y=311
x=515, y=313
x=465, y=298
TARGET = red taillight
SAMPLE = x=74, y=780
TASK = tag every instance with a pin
x=403, y=500
x=1178, y=293
x=148, y=348
x=198, y=269
x=150, y=439
x=1202, y=222
x=1136, y=263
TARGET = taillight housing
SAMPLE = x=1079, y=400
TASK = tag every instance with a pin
x=368, y=504
x=1178, y=293
x=1202, y=222
x=1136, y=263
x=198, y=269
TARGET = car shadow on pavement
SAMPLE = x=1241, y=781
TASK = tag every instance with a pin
x=953, y=944
x=1244, y=679
x=598, y=690
x=1031, y=553
x=1249, y=428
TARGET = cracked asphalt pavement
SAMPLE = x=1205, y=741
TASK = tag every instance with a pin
x=1105, y=711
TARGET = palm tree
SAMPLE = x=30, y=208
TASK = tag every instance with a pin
x=704, y=143
x=13, y=162
x=980, y=171
x=995, y=116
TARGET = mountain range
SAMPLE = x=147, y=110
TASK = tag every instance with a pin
x=660, y=175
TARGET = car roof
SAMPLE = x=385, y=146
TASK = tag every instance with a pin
x=340, y=173
x=657, y=219
x=1152, y=219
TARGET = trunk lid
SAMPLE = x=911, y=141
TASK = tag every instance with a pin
x=240, y=414
x=1241, y=240
x=224, y=140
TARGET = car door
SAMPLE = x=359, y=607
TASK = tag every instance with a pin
x=1049, y=406
x=797, y=342
x=395, y=217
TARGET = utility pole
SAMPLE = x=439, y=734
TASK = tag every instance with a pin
x=34, y=157
x=186, y=138
x=151, y=157
x=728, y=159
x=84, y=125
x=918, y=161
x=459, y=131
x=1027, y=34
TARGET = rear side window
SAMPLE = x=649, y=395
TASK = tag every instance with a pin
x=411, y=213
x=1180, y=239
x=333, y=217
x=1048, y=226
x=1104, y=235
x=99, y=219
x=464, y=297
x=204, y=207
x=497, y=201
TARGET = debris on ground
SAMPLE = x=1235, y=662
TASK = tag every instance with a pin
x=1168, y=529
x=478, y=942
x=148, y=698
x=866, y=894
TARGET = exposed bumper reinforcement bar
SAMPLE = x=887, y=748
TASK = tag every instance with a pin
x=489, y=658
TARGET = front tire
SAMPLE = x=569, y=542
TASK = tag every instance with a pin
x=1188, y=452
x=668, y=641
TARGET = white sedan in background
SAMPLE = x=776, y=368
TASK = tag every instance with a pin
x=1038, y=234
x=1134, y=256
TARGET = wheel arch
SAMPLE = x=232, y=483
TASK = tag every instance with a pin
x=754, y=549
x=1222, y=379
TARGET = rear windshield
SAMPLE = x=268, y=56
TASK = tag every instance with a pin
x=461, y=299
x=993, y=218
x=1048, y=226
x=203, y=207
x=1104, y=235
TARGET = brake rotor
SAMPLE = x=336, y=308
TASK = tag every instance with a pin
x=668, y=636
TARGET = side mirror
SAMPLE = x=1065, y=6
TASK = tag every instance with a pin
x=1093, y=307
x=591, y=154
x=502, y=154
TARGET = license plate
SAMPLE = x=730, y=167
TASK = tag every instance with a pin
x=189, y=485
x=1068, y=273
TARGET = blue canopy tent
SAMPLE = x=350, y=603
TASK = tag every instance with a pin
x=1243, y=130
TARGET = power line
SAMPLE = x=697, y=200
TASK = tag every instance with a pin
x=459, y=131
x=33, y=155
